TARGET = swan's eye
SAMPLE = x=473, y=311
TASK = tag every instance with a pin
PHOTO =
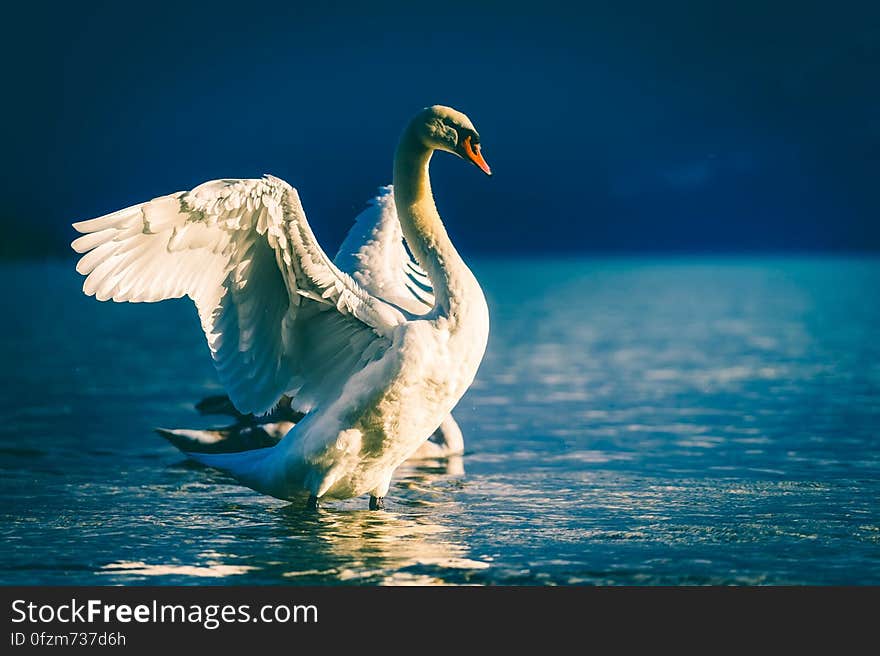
x=470, y=137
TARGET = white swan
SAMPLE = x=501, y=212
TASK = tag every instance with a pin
x=372, y=253
x=374, y=376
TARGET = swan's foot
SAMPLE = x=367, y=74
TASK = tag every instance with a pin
x=377, y=503
x=312, y=503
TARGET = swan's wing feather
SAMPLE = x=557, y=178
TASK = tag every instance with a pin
x=376, y=257
x=279, y=317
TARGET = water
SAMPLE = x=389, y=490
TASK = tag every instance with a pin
x=695, y=421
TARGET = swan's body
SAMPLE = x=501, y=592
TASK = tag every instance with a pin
x=373, y=254
x=376, y=359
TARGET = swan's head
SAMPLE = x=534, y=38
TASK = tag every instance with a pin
x=444, y=128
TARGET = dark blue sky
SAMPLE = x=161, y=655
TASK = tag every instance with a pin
x=625, y=126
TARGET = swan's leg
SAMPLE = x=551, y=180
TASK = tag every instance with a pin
x=312, y=503
x=377, y=494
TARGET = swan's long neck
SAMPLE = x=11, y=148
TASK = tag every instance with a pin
x=423, y=229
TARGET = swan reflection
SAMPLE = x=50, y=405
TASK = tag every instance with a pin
x=407, y=543
x=253, y=540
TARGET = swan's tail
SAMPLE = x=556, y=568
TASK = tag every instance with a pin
x=245, y=453
x=239, y=464
x=251, y=468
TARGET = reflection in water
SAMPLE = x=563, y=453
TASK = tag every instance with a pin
x=396, y=546
x=212, y=568
x=412, y=542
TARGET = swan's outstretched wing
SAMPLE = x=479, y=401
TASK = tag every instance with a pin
x=278, y=315
x=374, y=255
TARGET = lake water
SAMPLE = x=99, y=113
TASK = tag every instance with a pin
x=635, y=421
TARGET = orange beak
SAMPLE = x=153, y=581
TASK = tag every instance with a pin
x=473, y=154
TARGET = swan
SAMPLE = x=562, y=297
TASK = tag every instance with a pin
x=375, y=359
x=373, y=243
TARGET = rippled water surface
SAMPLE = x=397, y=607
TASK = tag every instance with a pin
x=634, y=422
